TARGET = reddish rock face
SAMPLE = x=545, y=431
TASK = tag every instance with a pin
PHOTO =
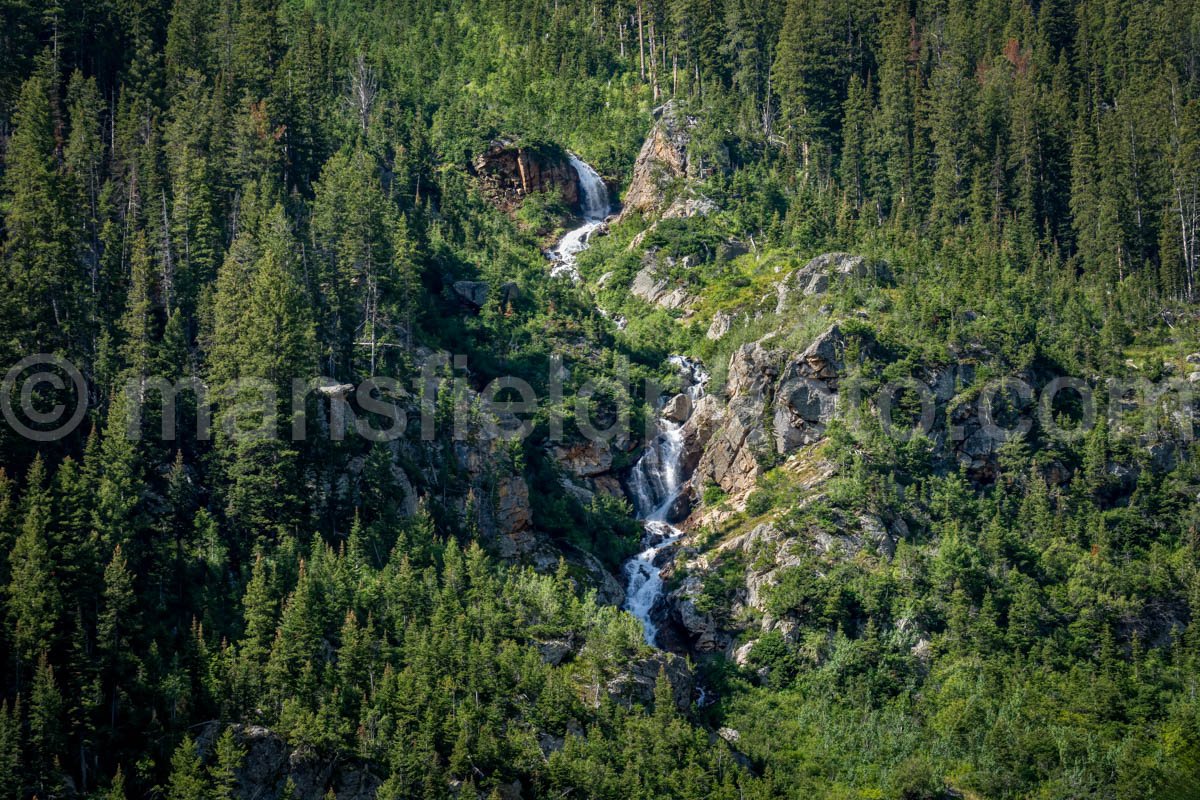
x=509, y=173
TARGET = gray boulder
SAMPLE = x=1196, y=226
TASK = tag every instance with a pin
x=636, y=683
x=819, y=274
x=473, y=294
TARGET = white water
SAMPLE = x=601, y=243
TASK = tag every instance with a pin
x=594, y=203
x=657, y=476
x=655, y=480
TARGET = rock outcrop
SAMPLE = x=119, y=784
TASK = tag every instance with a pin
x=636, y=683
x=271, y=762
x=728, y=458
x=663, y=160
x=472, y=294
x=509, y=172
x=659, y=291
x=720, y=325
x=821, y=273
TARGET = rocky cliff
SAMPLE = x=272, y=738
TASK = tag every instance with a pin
x=663, y=161
x=508, y=172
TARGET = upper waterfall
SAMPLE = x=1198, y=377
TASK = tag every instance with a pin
x=594, y=205
x=593, y=194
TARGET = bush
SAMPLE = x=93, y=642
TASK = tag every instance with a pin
x=760, y=502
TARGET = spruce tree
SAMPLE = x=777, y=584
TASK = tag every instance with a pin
x=33, y=597
x=41, y=268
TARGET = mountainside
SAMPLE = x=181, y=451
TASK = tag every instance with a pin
x=670, y=398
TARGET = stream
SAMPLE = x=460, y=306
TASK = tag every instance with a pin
x=656, y=481
x=657, y=478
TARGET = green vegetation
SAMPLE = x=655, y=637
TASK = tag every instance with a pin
x=233, y=189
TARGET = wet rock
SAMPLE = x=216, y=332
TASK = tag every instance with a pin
x=681, y=506
x=704, y=420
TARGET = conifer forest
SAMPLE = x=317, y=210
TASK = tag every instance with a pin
x=613, y=399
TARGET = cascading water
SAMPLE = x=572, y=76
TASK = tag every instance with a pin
x=595, y=206
x=657, y=476
x=655, y=481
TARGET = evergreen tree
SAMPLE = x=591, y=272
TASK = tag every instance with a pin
x=223, y=773
x=187, y=781
x=41, y=268
x=809, y=76
x=46, y=735
x=33, y=598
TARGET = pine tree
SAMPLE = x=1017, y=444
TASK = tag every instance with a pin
x=255, y=46
x=41, y=270
x=297, y=647
x=223, y=774
x=892, y=144
x=138, y=324
x=34, y=598
x=117, y=518
x=46, y=736
x=187, y=780
x=367, y=264
x=83, y=155
x=116, y=618
x=10, y=749
x=809, y=76
x=747, y=50
x=116, y=789
x=951, y=98
x=261, y=345
x=188, y=36
x=195, y=187
x=853, y=167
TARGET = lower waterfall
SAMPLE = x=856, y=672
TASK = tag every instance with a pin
x=656, y=480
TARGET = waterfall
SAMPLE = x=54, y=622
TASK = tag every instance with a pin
x=595, y=206
x=593, y=194
x=657, y=476
x=655, y=481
